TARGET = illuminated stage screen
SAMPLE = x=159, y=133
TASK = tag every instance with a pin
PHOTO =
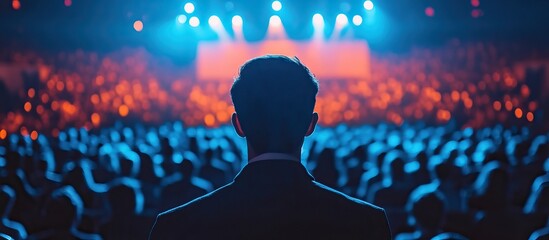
x=220, y=61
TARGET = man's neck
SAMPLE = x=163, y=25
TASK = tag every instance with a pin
x=252, y=153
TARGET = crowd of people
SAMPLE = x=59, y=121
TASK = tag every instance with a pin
x=452, y=142
x=476, y=84
x=486, y=183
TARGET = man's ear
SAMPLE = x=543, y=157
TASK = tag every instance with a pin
x=312, y=125
x=237, y=126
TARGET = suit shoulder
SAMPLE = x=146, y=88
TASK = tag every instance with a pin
x=339, y=196
x=197, y=203
x=179, y=220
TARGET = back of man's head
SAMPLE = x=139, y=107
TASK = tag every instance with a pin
x=274, y=97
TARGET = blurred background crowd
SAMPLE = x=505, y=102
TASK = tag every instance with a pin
x=104, y=124
x=430, y=179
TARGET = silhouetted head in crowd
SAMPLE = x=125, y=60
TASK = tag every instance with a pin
x=146, y=170
x=426, y=209
x=13, y=159
x=125, y=198
x=393, y=167
x=325, y=170
x=541, y=203
x=186, y=167
x=7, y=199
x=274, y=97
x=443, y=170
x=491, y=187
x=64, y=208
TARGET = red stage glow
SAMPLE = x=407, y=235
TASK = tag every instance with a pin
x=327, y=60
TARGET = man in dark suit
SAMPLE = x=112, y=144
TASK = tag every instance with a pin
x=274, y=196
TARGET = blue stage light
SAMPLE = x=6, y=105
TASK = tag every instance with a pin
x=357, y=20
x=189, y=7
x=318, y=20
x=194, y=21
x=181, y=19
x=341, y=20
x=368, y=5
x=275, y=21
x=276, y=5
x=237, y=20
x=214, y=21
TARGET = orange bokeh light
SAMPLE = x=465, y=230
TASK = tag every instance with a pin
x=54, y=105
x=530, y=116
x=209, y=120
x=455, y=96
x=518, y=113
x=31, y=92
x=3, y=134
x=96, y=119
x=94, y=99
x=138, y=26
x=16, y=5
x=99, y=80
x=24, y=131
x=123, y=110
x=444, y=115
x=27, y=107
x=508, y=105
x=532, y=106
x=497, y=105
x=60, y=86
x=45, y=98
x=34, y=135
x=40, y=109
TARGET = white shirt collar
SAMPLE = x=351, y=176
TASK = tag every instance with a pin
x=272, y=156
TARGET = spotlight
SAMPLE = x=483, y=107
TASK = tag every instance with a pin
x=194, y=21
x=237, y=20
x=276, y=6
x=341, y=20
x=181, y=19
x=318, y=20
x=214, y=21
x=275, y=21
x=189, y=7
x=357, y=20
x=138, y=26
x=368, y=5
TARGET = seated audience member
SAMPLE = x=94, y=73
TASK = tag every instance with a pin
x=126, y=204
x=449, y=236
x=213, y=170
x=371, y=176
x=541, y=234
x=63, y=212
x=274, y=196
x=11, y=228
x=326, y=170
x=394, y=188
x=426, y=209
x=490, y=200
x=422, y=174
x=538, y=202
x=183, y=187
x=537, y=208
x=445, y=175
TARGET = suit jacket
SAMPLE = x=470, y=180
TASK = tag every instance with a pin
x=273, y=199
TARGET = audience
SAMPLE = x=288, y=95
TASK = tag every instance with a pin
x=475, y=167
x=426, y=208
x=114, y=186
x=475, y=84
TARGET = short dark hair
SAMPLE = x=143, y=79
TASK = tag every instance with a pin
x=274, y=97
